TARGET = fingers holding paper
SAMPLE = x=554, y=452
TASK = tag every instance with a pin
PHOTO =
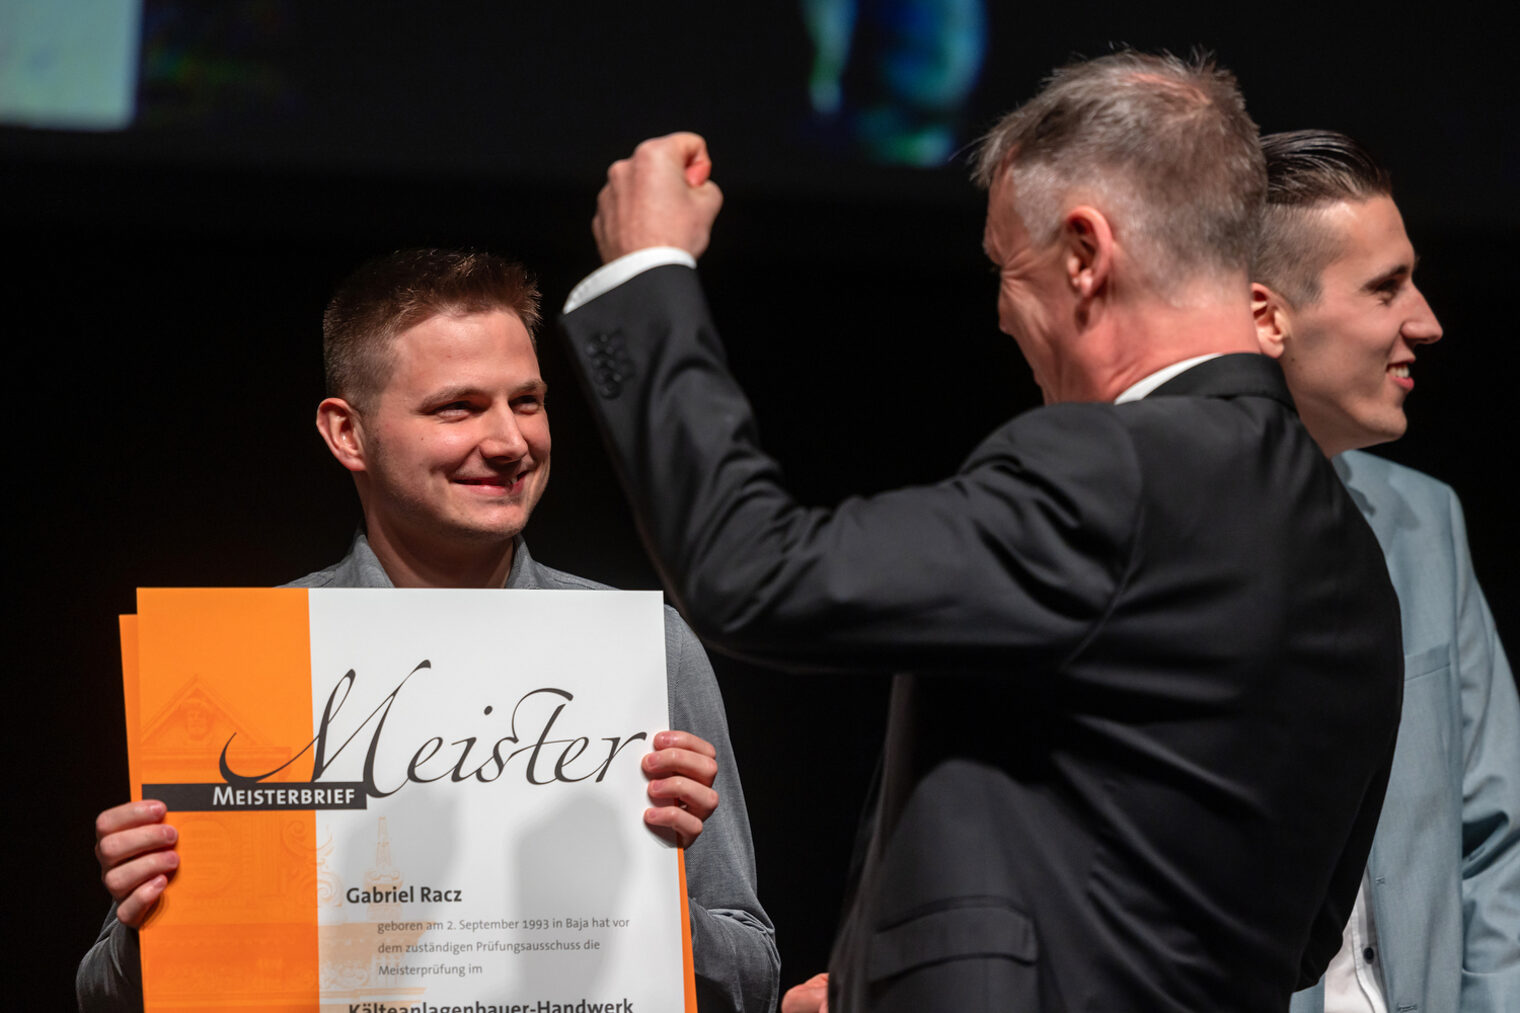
x=135, y=849
x=681, y=770
x=661, y=195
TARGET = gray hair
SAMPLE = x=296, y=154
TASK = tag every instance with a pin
x=1307, y=171
x=1162, y=146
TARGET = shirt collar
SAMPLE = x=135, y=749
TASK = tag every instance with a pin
x=365, y=569
x=1138, y=390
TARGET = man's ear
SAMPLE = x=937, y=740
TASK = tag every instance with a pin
x=339, y=423
x=1270, y=311
x=1088, y=250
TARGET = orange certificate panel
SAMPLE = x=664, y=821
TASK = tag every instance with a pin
x=405, y=800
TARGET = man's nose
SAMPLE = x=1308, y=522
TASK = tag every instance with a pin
x=1422, y=327
x=503, y=436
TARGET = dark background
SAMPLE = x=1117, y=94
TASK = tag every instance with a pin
x=165, y=288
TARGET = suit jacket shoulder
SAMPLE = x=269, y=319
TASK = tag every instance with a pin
x=1445, y=863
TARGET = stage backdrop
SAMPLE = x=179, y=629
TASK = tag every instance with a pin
x=172, y=248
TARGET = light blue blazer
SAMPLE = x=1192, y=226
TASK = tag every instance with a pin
x=1445, y=863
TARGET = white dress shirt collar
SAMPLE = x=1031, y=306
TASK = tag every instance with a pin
x=1140, y=388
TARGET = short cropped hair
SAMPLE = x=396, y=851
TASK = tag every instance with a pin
x=1307, y=171
x=391, y=294
x=1162, y=145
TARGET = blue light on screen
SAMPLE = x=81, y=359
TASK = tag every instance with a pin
x=69, y=64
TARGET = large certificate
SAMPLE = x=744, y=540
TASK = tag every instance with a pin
x=414, y=801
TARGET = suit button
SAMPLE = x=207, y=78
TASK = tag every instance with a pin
x=1369, y=955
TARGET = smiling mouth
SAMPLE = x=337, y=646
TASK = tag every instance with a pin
x=1400, y=370
x=494, y=482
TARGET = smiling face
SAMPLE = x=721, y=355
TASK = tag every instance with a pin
x=1347, y=354
x=454, y=449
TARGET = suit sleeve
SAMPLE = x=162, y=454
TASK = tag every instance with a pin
x=1490, y=797
x=109, y=979
x=737, y=967
x=1327, y=932
x=1022, y=551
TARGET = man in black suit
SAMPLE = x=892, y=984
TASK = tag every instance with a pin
x=1155, y=651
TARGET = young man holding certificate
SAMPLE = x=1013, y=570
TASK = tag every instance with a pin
x=437, y=409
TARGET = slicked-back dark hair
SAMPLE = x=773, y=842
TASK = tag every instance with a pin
x=1163, y=146
x=1307, y=171
x=391, y=294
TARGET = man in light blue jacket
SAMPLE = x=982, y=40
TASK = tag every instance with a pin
x=1436, y=926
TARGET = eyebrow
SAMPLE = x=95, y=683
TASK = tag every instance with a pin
x=464, y=391
x=1399, y=272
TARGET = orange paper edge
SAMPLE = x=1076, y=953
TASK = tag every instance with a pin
x=130, y=697
x=688, y=968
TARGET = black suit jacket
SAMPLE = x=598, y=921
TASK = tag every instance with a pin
x=1156, y=672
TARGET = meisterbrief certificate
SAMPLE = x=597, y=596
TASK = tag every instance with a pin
x=393, y=800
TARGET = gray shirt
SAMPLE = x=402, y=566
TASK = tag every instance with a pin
x=733, y=943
